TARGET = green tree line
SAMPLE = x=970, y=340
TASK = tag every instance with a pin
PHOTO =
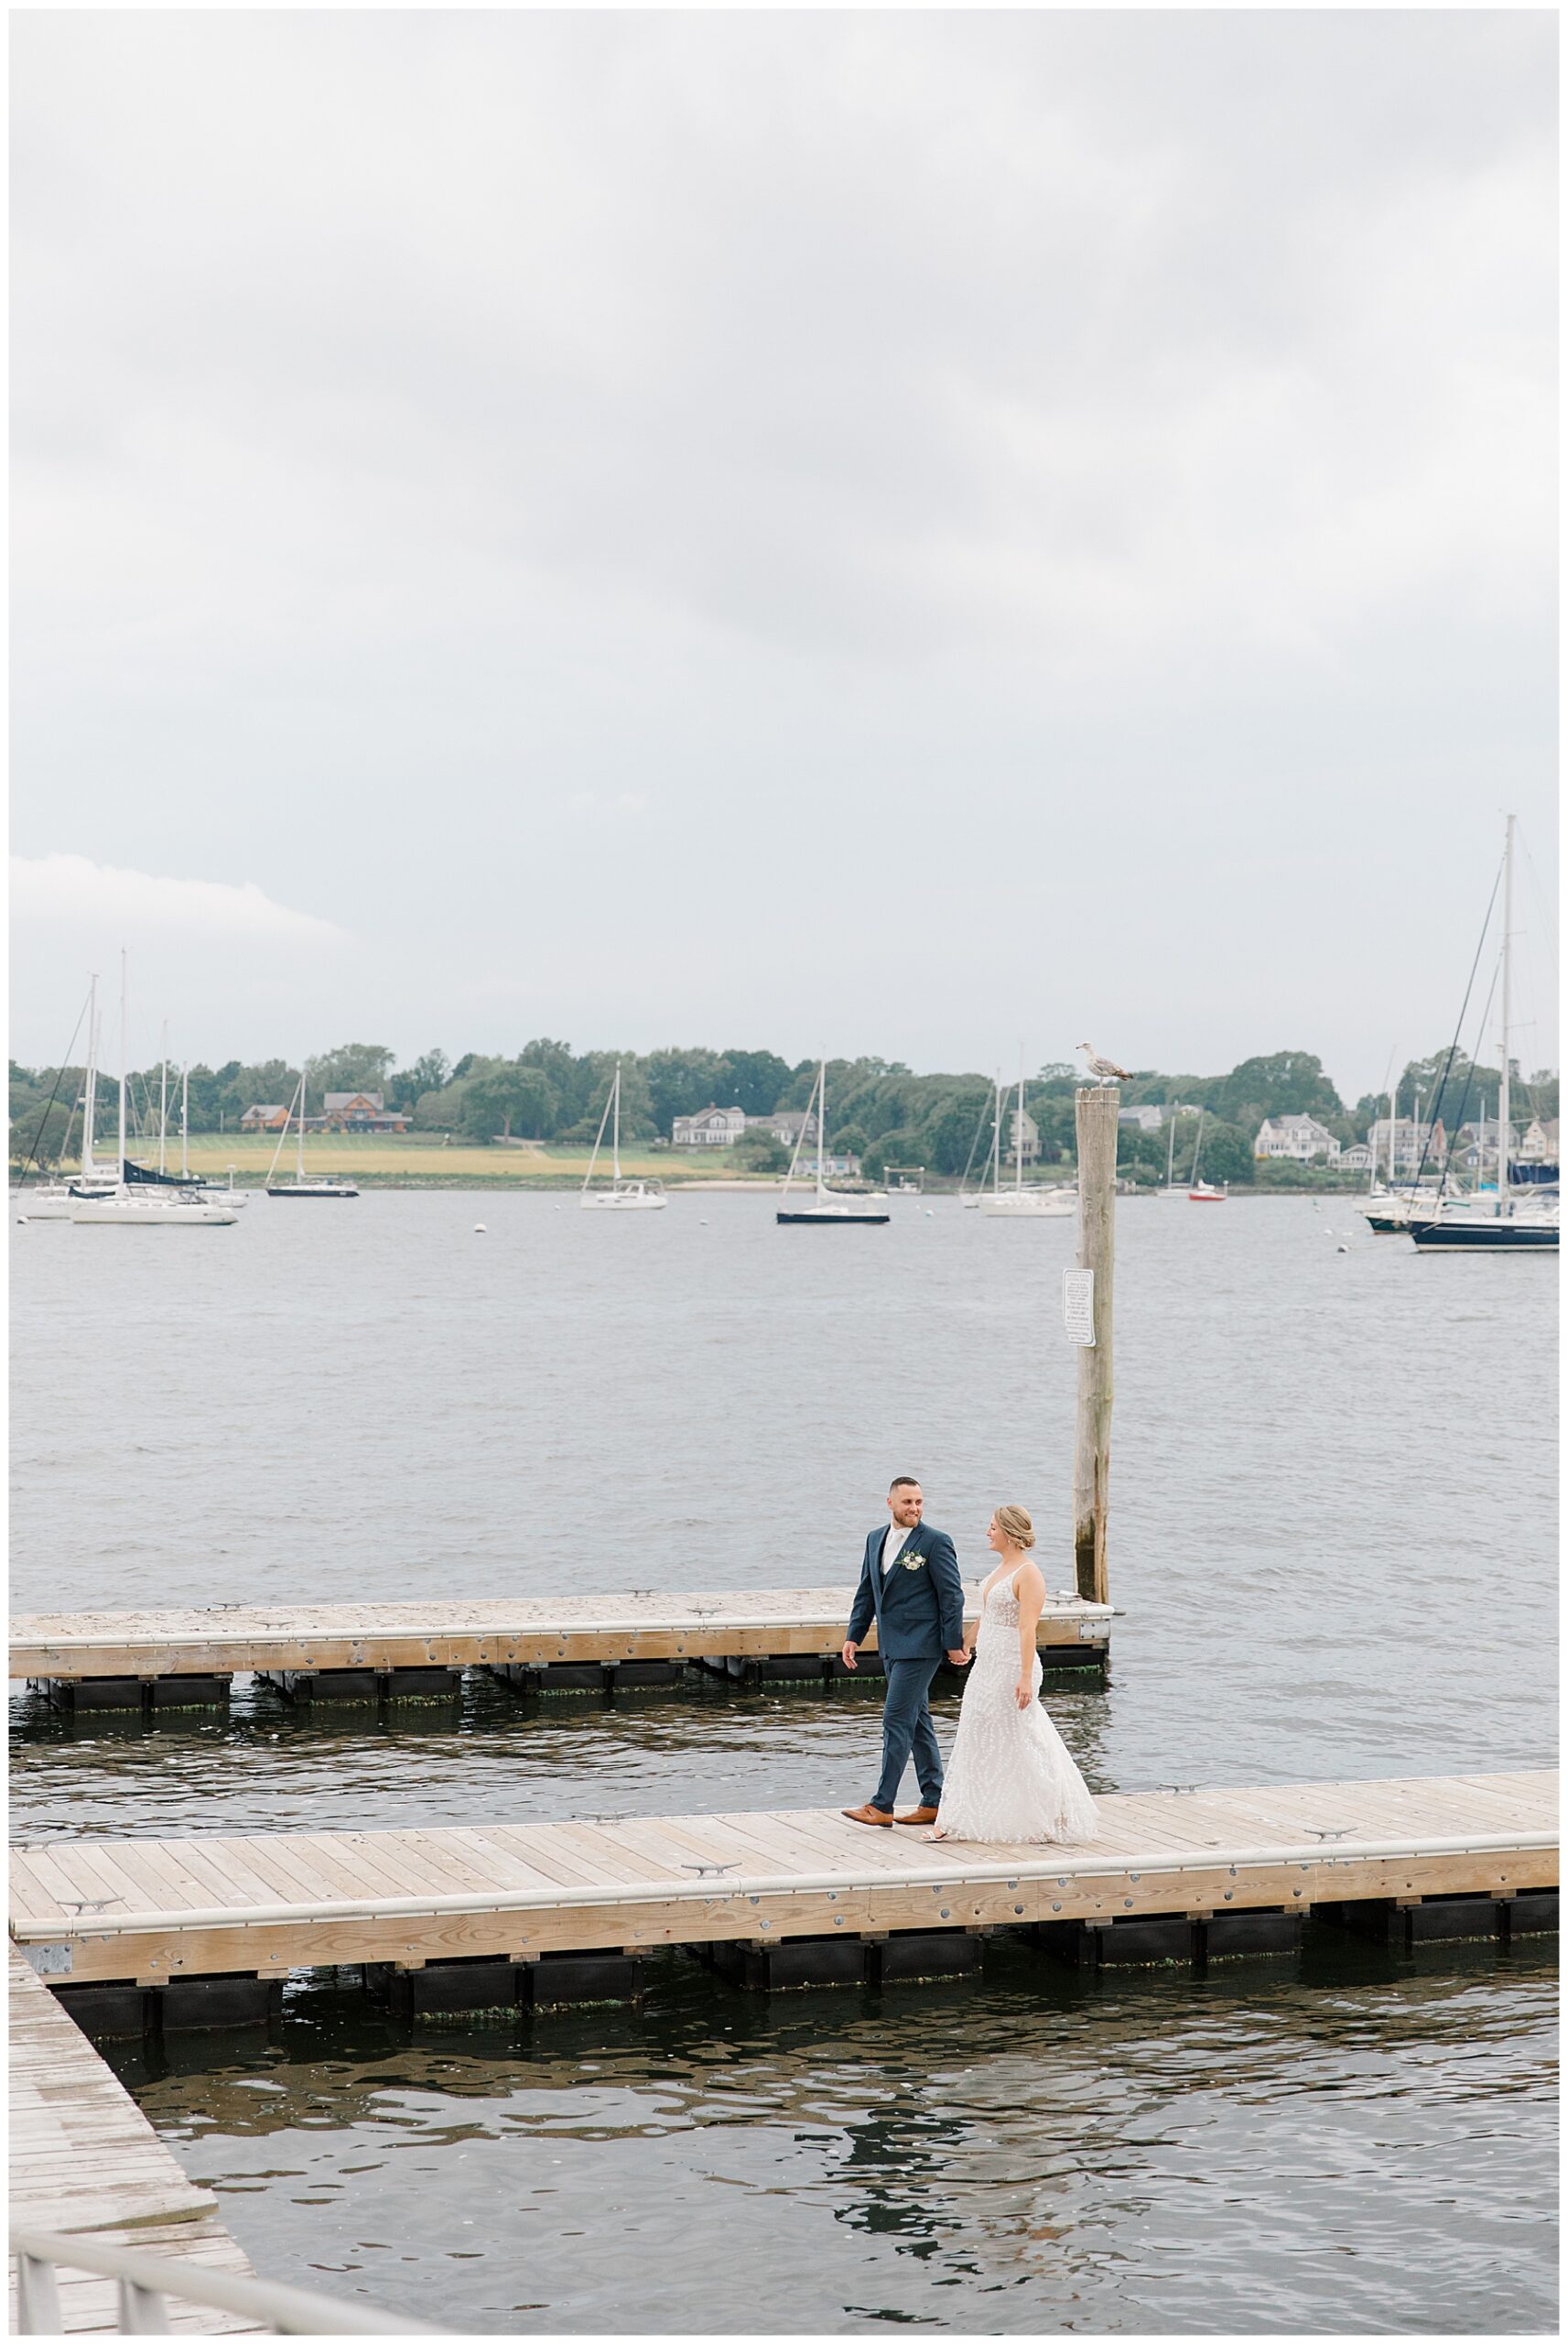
x=878, y=1109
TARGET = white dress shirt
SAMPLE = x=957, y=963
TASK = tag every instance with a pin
x=892, y=1544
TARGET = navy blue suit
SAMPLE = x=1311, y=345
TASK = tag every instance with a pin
x=918, y=1606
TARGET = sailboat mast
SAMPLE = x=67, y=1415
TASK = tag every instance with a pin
x=299, y=1145
x=163, y=1102
x=185, y=1122
x=1171, y=1151
x=124, y=1066
x=88, y=1165
x=996, y=1139
x=821, y=1122
x=1017, y=1138
x=1503, y=1100
x=615, y=1141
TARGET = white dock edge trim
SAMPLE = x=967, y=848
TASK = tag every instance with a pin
x=713, y=1890
x=146, y=2280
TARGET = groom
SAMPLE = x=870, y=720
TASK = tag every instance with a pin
x=910, y=1585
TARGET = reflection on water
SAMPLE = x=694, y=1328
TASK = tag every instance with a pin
x=1255, y=2152
x=1327, y=1468
x=491, y=1756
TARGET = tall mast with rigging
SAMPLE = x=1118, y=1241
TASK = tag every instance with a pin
x=1503, y=1102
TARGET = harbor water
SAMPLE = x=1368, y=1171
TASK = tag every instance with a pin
x=1332, y=1539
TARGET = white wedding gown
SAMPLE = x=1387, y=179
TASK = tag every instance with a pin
x=1009, y=1775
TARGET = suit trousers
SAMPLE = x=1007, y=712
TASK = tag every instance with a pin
x=907, y=1727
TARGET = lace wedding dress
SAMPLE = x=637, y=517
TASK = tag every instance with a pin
x=1009, y=1775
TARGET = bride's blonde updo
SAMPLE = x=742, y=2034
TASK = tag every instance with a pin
x=1014, y=1523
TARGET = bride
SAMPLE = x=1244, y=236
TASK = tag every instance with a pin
x=1010, y=1776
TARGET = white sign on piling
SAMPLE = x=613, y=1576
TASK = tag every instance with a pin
x=1078, y=1304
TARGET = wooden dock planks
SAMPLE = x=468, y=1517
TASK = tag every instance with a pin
x=156, y=1911
x=807, y=1622
x=83, y=2157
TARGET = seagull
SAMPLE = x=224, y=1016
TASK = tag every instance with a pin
x=1105, y=1068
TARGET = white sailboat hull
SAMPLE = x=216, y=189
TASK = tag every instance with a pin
x=150, y=1212
x=635, y=1198
x=1031, y=1204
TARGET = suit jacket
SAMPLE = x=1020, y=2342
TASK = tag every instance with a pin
x=918, y=1605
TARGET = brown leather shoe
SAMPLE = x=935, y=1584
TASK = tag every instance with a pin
x=917, y=1815
x=865, y=1815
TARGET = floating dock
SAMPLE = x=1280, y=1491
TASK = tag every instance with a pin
x=363, y=1652
x=83, y=2157
x=137, y=1933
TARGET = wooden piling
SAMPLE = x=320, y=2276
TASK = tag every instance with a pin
x=1097, y=1108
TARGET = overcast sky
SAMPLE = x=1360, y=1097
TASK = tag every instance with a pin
x=917, y=533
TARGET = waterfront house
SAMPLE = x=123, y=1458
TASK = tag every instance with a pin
x=1022, y=1121
x=264, y=1119
x=359, y=1111
x=723, y=1126
x=1297, y=1138
x=1355, y=1159
x=1143, y=1119
x=785, y=1124
x=714, y=1127
x=1414, y=1142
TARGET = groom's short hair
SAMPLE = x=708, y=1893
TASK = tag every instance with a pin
x=904, y=1481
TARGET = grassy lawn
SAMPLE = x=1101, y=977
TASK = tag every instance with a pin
x=421, y=1157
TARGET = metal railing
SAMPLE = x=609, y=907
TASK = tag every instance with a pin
x=147, y=2282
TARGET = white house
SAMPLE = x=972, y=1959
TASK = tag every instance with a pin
x=1299, y=1138
x=785, y=1124
x=1148, y=1119
x=1539, y=1144
x=1415, y=1142
x=1022, y=1122
x=1355, y=1159
x=714, y=1127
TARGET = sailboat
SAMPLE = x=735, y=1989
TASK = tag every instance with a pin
x=133, y=1206
x=323, y=1186
x=622, y=1196
x=1173, y=1187
x=1204, y=1192
x=56, y=1200
x=972, y=1203
x=831, y=1207
x=1526, y=1225
x=1019, y=1203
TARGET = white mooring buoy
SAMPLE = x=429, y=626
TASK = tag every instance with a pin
x=479, y=1229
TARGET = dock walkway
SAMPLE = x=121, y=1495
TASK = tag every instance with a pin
x=83, y=2157
x=180, y=1916
x=354, y=1651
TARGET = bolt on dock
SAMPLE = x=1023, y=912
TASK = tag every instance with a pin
x=120, y=1660
x=139, y=1931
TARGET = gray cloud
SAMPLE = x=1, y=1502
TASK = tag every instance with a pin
x=635, y=516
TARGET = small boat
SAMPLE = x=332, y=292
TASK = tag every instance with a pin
x=830, y=1208
x=622, y=1196
x=1039, y=1202
x=322, y=1187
